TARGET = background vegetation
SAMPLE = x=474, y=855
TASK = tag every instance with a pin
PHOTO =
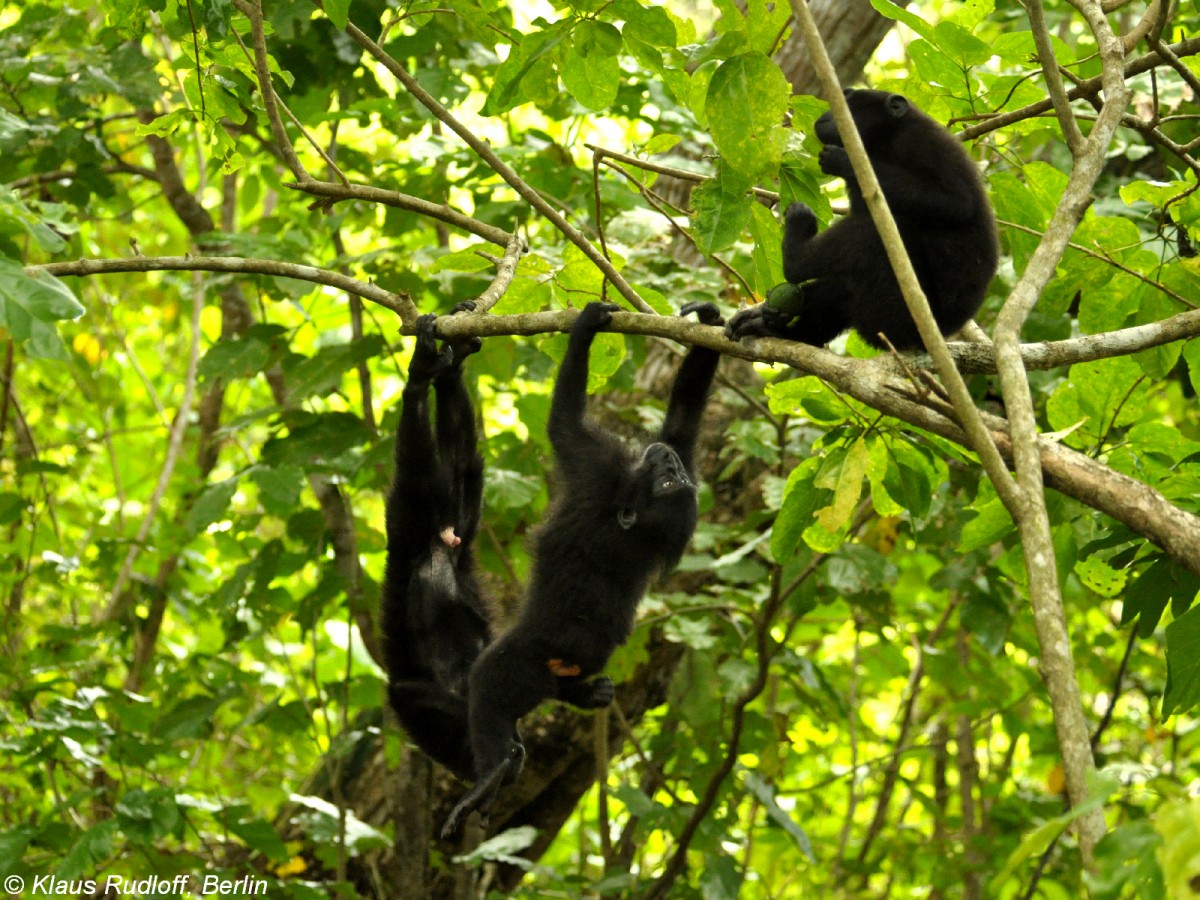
x=886, y=667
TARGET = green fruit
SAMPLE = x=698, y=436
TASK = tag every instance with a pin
x=786, y=298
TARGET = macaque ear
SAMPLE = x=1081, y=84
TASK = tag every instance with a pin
x=626, y=517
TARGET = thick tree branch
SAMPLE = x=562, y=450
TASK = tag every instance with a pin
x=1029, y=512
x=879, y=385
x=878, y=382
x=981, y=357
x=975, y=357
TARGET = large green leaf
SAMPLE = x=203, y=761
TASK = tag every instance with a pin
x=747, y=100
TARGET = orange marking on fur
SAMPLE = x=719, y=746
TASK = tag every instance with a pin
x=561, y=669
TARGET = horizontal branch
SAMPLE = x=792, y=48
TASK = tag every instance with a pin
x=1067, y=471
x=981, y=358
x=399, y=303
x=1140, y=507
x=971, y=357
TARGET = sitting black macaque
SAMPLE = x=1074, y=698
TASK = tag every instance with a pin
x=843, y=275
x=619, y=519
x=434, y=620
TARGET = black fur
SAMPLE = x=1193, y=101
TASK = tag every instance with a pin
x=619, y=518
x=434, y=620
x=939, y=203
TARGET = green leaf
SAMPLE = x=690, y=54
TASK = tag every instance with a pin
x=960, y=45
x=1182, y=692
x=592, y=76
x=36, y=222
x=39, y=296
x=258, y=834
x=971, y=12
x=911, y=478
x=506, y=489
x=1102, y=395
x=809, y=397
x=1101, y=578
x=660, y=143
x=315, y=437
x=322, y=373
x=147, y=816
x=801, y=498
x=468, y=259
x=12, y=847
x=1178, y=823
x=338, y=12
x=766, y=795
x=720, y=210
x=528, y=74
x=747, y=100
x=210, y=506
x=650, y=24
x=1156, y=193
x=932, y=64
x=858, y=569
x=1126, y=864
x=188, y=719
x=877, y=471
x=592, y=38
x=279, y=487
x=891, y=11
x=991, y=524
x=255, y=351
x=768, y=249
x=1150, y=592
x=504, y=848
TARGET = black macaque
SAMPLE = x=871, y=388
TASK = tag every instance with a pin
x=843, y=275
x=619, y=518
x=435, y=621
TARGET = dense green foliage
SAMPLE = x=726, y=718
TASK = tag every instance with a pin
x=193, y=463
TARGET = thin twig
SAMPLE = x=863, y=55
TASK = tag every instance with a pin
x=484, y=151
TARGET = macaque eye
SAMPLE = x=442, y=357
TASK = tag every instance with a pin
x=667, y=484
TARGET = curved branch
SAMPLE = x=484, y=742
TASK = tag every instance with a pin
x=506, y=271
x=399, y=303
x=601, y=153
x=253, y=11
x=1053, y=77
x=439, y=211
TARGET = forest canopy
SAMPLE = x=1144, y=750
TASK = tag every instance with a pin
x=936, y=633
